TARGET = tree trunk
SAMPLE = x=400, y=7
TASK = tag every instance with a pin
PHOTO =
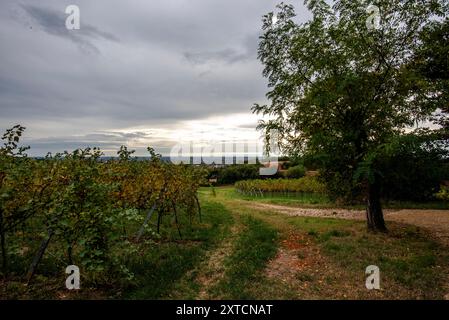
x=199, y=208
x=374, y=213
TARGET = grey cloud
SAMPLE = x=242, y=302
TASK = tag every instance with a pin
x=248, y=126
x=162, y=63
x=229, y=55
x=226, y=55
x=94, y=32
x=104, y=141
x=108, y=138
x=53, y=22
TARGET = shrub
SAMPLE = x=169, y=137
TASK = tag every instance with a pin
x=234, y=173
x=296, y=172
x=302, y=185
x=443, y=194
x=413, y=168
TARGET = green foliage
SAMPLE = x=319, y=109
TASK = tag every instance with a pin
x=234, y=173
x=339, y=91
x=431, y=63
x=413, y=166
x=124, y=154
x=10, y=142
x=443, y=194
x=17, y=203
x=157, y=270
x=303, y=185
x=88, y=207
x=254, y=248
x=296, y=172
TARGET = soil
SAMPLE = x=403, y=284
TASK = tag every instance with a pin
x=436, y=221
x=296, y=254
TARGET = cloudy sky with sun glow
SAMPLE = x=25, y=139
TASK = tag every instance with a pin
x=138, y=72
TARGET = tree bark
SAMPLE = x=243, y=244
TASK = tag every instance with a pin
x=374, y=213
x=199, y=208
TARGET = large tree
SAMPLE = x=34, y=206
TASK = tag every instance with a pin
x=432, y=63
x=342, y=87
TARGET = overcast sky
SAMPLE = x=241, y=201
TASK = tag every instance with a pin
x=138, y=72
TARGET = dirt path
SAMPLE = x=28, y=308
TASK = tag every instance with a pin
x=212, y=271
x=436, y=221
x=309, y=212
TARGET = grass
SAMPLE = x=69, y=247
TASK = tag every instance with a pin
x=156, y=266
x=244, y=241
x=158, y=270
x=407, y=257
x=314, y=200
x=253, y=249
x=300, y=199
x=412, y=264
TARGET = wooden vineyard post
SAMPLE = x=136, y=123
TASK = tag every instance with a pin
x=38, y=256
x=147, y=219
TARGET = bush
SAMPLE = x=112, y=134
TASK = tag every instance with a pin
x=413, y=169
x=443, y=194
x=296, y=172
x=83, y=208
x=303, y=185
x=232, y=174
x=409, y=167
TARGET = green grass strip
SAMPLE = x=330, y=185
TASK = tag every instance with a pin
x=253, y=249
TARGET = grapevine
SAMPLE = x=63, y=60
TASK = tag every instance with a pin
x=77, y=206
